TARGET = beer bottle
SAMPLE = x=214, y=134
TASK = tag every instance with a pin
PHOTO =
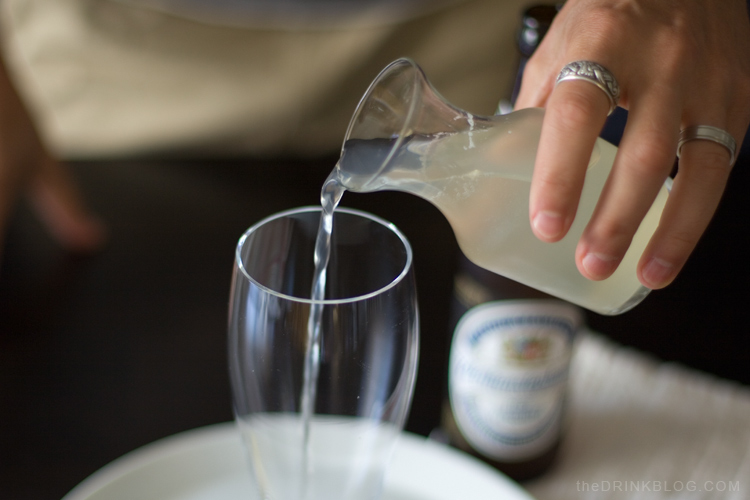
x=508, y=371
x=511, y=350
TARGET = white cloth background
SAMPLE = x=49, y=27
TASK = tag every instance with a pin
x=643, y=429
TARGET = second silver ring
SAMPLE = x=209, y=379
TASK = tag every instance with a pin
x=708, y=133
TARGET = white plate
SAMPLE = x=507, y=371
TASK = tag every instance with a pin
x=209, y=464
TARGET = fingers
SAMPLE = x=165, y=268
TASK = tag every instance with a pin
x=672, y=75
x=643, y=163
x=703, y=173
x=644, y=160
x=575, y=114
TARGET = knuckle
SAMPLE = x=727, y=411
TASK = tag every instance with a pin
x=601, y=26
x=649, y=158
x=616, y=231
x=536, y=67
x=681, y=242
x=558, y=185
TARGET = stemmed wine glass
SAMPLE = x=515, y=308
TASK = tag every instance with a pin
x=319, y=415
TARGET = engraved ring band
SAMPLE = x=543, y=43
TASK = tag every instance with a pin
x=708, y=133
x=595, y=73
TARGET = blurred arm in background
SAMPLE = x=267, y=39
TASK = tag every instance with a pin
x=27, y=169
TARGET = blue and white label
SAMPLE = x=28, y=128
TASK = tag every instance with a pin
x=508, y=373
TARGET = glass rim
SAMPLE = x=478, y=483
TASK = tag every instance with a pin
x=306, y=209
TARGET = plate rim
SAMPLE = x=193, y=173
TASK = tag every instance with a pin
x=411, y=448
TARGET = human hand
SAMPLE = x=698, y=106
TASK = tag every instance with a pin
x=678, y=64
x=26, y=168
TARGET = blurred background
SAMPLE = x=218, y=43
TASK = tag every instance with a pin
x=101, y=355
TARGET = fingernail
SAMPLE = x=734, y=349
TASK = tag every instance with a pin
x=657, y=272
x=548, y=224
x=598, y=265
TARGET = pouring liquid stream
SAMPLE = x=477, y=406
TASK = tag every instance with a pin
x=330, y=197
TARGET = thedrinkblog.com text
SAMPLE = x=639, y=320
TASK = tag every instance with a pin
x=662, y=486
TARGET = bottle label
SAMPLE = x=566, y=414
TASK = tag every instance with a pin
x=508, y=373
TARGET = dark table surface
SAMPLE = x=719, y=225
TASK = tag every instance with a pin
x=101, y=355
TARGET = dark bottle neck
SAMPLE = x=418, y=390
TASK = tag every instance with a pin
x=535, y=22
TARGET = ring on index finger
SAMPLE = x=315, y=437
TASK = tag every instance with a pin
x=708, y=133
x=595, y=73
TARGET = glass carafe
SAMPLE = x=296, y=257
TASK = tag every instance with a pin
x=477, y=171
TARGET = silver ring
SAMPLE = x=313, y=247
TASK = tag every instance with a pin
x=708, y=133
x=591, y=72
